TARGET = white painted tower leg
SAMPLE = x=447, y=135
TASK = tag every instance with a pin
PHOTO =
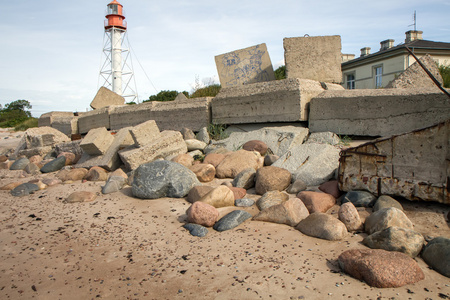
x=116, y=60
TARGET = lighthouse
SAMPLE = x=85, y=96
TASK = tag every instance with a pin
x=117, y=70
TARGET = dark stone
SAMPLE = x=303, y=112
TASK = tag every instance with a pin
x=24, y=189
x=232, y=220
x=20, y=164
x=437, y=255
x=386, y=202
x=244, y=202
x=360, y=198
x=196, y=230
x=54, y=165
x=163, y=178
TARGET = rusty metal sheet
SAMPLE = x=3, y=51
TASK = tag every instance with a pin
x=414, y=165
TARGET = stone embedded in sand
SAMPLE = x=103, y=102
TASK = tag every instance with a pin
x=385, y=202
x=232, y=220
x=237, y=161
x=271, y=198
x=163, y=178
x=39, y=183
x=290, y=212
x=220, y=196
x=3, y=158
x=323, y=226
x=316, y=201
x=114, y=184
x=196, y=230
x=348, y=214
x=331, y=187
x=238, y=193
x=272, y=179
x=398, y=239
x=51, y=181
x=244, y=202
x=32, y=169
x=10, y=186
x=245, y=179
x=24, y=189
x=204, y=172
x=197, y=192
x=385, y=218
x=118, y=172
x=20, y=164
x=54, y=165
x=183, y=159
x=81, y=196
x=36, y=159
x=214, y=159
x=203, y=214
x=256, y=145
x=380, y=268
x=73, y=174
x=360, y=198
x=437, y=255
x=96, y=174
x=6, y=165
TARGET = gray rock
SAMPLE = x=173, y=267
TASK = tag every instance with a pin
x=20, y=164
x=244, y=202
x=245, y=179
x=203, y=135
x=163, y=178
x=297, y=187
x=313, y=163
x=323, y=226
x=24, y=189
x=32, y=169
x=114, y=184
x=396, y=239
x=196, y=230
x=54, y=165
x=232, y=220
x=385, y=202
x=51, y=155
x=385, y=218
x=437, y=255
x=187, y=134
x=270, y=159
x=359, y=198
x=328, y=137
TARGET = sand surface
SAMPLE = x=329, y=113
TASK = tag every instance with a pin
x=120, y=247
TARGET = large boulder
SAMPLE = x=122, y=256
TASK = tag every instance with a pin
x=162, y=178
x=380, y=268
x=437, y=255
x=271, y=179
x=317, y=201
x=348, y=214
x=290, y=212
x=313, y=163
x=396, y=239
x=385, y=218
x=323, y=226
x=238, y=161
x=386, y=201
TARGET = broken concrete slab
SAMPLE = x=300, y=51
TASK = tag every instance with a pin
x=48, y=118
x=380, y=112
x=278, y=139
x=145, y=133
x=414, y=165
x=313, y=57
x=275, y=101
x=110, y=160
x=244, y=66
x=106, y=97
x=72, y=147
x=66, y=124
x=95, y=119
x=170, y=143
x=173, y=115
x=415, y=77
x=97, y=141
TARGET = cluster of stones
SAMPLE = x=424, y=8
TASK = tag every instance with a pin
x=176, y=164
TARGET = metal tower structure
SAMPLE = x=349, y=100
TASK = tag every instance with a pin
x=117, y=68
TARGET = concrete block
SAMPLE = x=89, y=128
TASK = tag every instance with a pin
x=415, y=77
x=414, y=165
x=72, y=147
x=67, y=125
x=145, y=133
x=42, y=151
x=170, y=143
x=44, y=136
x=95, y=119
x=97, y=141
x=47, y=118
x=173, y=115
x=380, y=112
x=106, y=97
x=275, y=101
x=110, y=160
x=313, y=57
x=245, y=66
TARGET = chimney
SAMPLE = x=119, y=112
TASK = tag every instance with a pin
x=386, y=44
x=365, y=51
x=413, y=35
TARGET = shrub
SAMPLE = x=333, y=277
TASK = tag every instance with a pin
x=217, y=131
x=165, y=96
x=280, y=73
x=207, y=91
x=445, y=73
x=29, y=123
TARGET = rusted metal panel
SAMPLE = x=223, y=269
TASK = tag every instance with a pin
x=414, y=165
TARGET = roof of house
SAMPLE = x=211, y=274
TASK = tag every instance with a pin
x=421, y=44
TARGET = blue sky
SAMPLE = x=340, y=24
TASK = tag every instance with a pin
x=52, y=50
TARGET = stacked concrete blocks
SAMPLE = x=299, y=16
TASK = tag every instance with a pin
x=95, y=119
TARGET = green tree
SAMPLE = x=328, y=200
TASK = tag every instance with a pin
x=280, y=73
x=208, y=91
x=14, y=113
x=165, y=96
x=445, y=73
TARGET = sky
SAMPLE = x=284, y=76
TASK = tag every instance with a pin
x=52, y=50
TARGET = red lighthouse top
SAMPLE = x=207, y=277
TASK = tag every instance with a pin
x=115, y=16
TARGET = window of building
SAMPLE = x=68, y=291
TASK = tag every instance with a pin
x=378, y=77
x=351, y=81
